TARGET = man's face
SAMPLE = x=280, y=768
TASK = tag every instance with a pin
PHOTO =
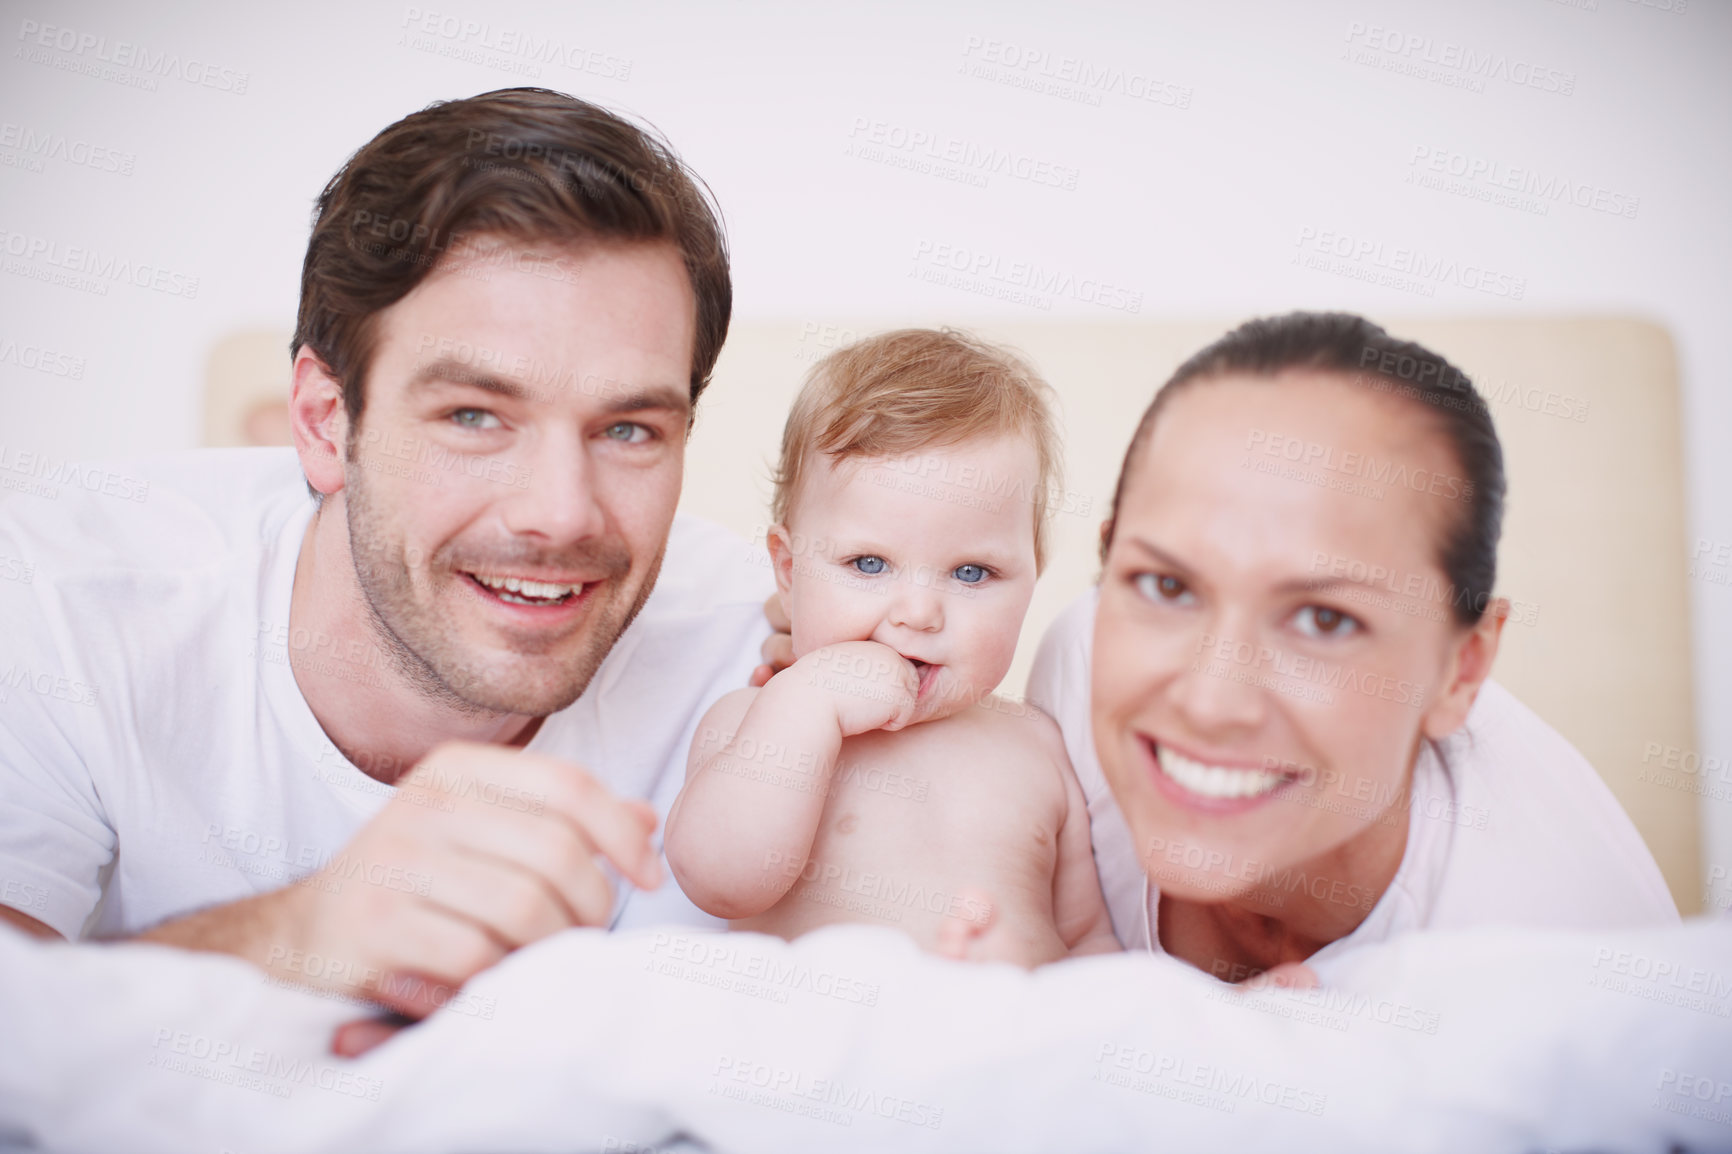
x=511, y=482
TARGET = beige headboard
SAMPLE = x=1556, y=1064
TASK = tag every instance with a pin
x=1594, y=544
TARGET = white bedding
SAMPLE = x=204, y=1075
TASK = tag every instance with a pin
x=852, y=1040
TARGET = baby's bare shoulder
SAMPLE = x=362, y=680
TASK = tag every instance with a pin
x=1019, y=724
x=1013, y=736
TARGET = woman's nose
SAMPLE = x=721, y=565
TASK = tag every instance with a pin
x=1217, y=693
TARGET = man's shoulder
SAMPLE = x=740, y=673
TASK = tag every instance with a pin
x=123, y=591
x=169, y=513
x=703, y=622
x=707, y=568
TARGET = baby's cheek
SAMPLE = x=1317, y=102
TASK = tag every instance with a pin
x=992, y=656
x=827, y=616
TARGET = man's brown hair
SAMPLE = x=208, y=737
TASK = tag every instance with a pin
x=527, y=164
x=900, y=392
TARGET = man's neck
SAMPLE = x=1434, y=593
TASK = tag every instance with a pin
x=367, y=704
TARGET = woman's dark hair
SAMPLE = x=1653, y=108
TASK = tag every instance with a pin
x=1359, y=351
x=526, y=163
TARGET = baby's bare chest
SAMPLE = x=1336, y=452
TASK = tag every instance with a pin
x=925, y=798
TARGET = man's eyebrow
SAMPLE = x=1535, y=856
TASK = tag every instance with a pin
x=624, y=398
x=446, y=371
x=615, y=396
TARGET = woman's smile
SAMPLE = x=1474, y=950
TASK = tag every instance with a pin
x=1212, y=785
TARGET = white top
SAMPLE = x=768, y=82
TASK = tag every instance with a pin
x=155, y=749
x=1511, y=828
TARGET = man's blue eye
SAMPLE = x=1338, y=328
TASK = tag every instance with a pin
x=628, y=431
x=970, y=574
x=871, y=566
x=475, y=419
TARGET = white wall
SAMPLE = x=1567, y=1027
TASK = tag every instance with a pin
x=1268, y=122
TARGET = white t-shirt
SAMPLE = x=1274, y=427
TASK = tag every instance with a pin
x=1512, y=827
x=155, y=750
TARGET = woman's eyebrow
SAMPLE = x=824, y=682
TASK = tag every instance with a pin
x=1159, y=554
x=1294, y=585
x=1317, y=584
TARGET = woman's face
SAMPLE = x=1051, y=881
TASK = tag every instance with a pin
x=1275, y=637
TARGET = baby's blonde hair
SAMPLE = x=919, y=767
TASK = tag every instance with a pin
x=900, y=392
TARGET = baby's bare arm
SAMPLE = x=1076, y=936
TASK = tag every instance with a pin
x=759, y=772
x=742, y=827
x=1078, y=907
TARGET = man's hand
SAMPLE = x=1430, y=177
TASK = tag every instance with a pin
x=778, y=648
x=482, y=850
x=23, y=921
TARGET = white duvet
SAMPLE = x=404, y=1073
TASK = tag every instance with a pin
x=851, y=1040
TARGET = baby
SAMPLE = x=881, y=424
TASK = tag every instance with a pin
x=876, y=780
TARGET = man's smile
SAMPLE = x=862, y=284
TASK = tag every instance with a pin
x=525, y=590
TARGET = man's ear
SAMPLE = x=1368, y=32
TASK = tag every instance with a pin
x=318, y=421
x=781, y=548
x=1469, y=665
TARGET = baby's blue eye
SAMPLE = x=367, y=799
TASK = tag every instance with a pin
x=871, y=566
x=970, y=574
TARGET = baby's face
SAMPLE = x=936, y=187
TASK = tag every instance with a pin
x=930, y=554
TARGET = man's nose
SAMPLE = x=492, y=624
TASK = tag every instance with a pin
x=556, y=498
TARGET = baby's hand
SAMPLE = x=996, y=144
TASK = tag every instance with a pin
x=870, y=684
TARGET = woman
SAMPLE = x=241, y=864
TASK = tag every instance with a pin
x=1290, y=746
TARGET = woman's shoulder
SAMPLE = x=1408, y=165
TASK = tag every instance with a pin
x=1534, y=834
x=1058, y=681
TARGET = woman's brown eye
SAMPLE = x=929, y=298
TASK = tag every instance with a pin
x=1316, y=621
x=1162, y=587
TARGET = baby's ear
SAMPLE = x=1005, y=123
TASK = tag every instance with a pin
x=781, y=548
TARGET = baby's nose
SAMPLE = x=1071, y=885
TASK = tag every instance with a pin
x=914, y=607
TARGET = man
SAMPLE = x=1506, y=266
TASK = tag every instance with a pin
x=340, y=734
